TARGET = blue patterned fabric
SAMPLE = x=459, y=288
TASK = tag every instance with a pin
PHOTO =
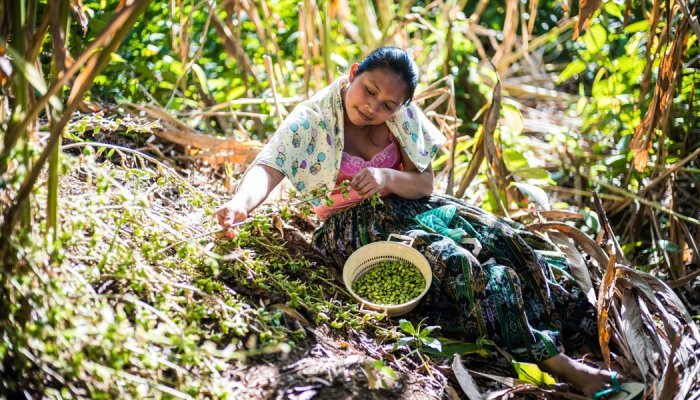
x=507, y=291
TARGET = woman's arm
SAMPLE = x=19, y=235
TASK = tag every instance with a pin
x=257, y=184
x=408, y=183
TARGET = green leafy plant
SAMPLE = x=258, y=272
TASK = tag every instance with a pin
x=418, y=337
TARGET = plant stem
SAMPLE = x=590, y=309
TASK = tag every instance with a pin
x=116, y=31
x=649, y=203
x=59, y=38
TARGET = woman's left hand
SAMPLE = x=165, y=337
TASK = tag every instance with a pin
x=369, y=181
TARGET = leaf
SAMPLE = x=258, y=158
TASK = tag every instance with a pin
x=606, y=292
x=577, y=264
x=404, y=341
x=278, y=224
x=634, y=333
x=115, y=57
x=532, y=374
x=466, y=382
x=575, y=67
x=669, y=67
x=613, y=9
x=534, y=194
x=639, y=26
x=590, y=218
x=595, y=39
x=669, y=246
x=538, y=174
x=292, y=313
x=513, y=118
x=201, y=77
x=670, y=382
x=588, y=245
x=514, y=160
x=451, y=347
x=491, y=148
x=388, y=371
x=30, y=73
x=407, y=327
x=426, y=331
x=431, y=342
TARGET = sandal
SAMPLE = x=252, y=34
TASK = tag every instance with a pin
x=624, y=391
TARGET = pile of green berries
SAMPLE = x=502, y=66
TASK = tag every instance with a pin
x=390, y=282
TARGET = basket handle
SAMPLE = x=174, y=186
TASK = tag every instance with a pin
x=401, y=238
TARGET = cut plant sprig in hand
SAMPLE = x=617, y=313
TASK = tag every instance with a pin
x=319, y=195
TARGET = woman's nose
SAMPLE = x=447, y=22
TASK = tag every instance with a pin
x=370, y=109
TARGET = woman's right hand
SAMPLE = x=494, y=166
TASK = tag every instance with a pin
x=255, y=186
x=230, y=213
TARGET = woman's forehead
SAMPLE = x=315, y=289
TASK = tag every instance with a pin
x=387, y=82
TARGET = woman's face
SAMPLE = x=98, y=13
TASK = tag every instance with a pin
x=373, y=96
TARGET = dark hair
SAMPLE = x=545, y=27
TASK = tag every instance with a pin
x=394, y=60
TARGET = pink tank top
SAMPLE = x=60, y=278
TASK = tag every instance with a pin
x=350, y=165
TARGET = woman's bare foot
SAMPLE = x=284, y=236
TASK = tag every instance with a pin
x=588, y=380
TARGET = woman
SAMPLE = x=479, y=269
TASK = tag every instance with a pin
x=487, y=278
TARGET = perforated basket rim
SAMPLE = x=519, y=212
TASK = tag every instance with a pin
x=363, y=258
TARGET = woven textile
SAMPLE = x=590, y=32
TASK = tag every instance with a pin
x=489, y=278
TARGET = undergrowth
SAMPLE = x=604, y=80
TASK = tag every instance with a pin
x=124, y=303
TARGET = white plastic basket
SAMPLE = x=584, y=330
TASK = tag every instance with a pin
x=364, y=258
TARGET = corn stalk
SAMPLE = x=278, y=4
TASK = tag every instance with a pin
x=108, y=41
x=18, y=10
x=59, y=12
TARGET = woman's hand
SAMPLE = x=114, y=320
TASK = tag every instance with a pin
x=230, y=213
x=369, y=181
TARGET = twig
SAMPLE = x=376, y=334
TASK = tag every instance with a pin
x=684, y=280
x=134, y=152
x=689, y=237
x=650, y=203
x=201, y=235
x=273, y=86
x=582, y=192
x=692, y=156
x=268, y=214
x=657, y=232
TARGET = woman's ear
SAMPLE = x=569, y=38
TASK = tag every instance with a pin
x=353, y=71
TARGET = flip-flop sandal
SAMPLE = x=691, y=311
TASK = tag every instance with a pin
x=618, y=391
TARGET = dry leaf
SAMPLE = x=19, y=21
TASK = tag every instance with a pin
x=670, y=64
x=634, y=333
x=587, y=244
x=77, y=7
x=466, y=382
x=292, y=313
x=278, y=224
x=585, y=12
x=577, y=264
x=671, y=379
x=605, y=299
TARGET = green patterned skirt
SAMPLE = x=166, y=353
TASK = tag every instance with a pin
x=508, y=285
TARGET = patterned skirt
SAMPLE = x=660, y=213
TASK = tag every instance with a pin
x=515, y=290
